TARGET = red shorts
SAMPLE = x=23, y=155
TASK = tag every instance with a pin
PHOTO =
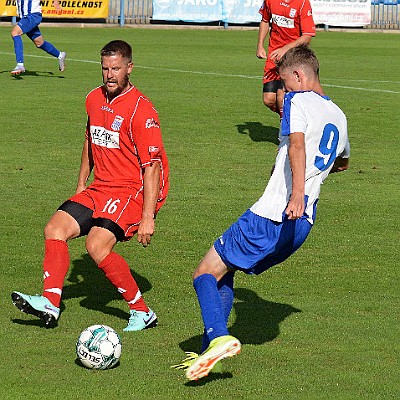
x=270, y=72
x=122, y=206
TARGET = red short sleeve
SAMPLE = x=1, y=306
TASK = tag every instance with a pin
x=146, y=133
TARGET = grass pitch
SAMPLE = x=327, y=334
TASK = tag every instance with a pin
x=323, y=325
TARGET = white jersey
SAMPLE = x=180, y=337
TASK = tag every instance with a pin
x=27, y=7
x=325, y=131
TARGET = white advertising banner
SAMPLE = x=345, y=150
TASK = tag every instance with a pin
x=232, y=11
x=341, y=12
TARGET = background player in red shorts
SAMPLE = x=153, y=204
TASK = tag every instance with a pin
x=290, y=24
x=123, y=146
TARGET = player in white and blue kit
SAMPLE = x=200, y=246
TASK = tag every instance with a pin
x=30, y=13
x=313, y=143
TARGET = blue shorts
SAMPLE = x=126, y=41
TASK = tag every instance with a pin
x=253, y=243
x=30, y=25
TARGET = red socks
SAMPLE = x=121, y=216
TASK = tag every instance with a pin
x=55, y=268
x=56, y=264
x=117, y=271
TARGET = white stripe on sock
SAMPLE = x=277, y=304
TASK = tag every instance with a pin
x=137, y=297
x=54, y=290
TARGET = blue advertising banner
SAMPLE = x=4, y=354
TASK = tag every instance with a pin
x=231, y=11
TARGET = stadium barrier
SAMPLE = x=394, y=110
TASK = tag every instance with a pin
x=384, y=13
x=130, y=12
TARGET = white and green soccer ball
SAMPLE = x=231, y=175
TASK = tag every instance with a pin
x=99, y=347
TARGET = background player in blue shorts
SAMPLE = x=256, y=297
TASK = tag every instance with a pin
x=313, y=143
x=30, y=13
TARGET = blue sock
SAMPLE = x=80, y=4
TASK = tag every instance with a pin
x=225, y=290
x=18, y=49
x=211, y=306
x=49, y=48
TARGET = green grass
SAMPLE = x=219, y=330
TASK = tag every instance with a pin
x=323, y=325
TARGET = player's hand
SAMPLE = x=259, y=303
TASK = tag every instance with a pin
x=277, y=54
x=340, y=164
x=295, y=207
x=261, y=53
x=145, y=231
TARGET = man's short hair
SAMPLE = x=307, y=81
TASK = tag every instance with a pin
x=299, y=56
x=117, y=47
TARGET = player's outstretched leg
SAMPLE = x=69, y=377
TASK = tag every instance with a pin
x=19, y=55
x=140, y=320
x=37, y=305
x=219, y=348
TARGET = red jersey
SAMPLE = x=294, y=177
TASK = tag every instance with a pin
x=288, y=19
x=124, y=136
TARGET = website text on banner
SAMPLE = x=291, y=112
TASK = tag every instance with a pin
x=232, y=11
x=342, y=12
x=70, y=9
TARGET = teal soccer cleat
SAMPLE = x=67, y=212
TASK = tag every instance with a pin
x=140, y=320
x=38, y=306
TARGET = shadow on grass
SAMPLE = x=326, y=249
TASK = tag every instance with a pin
x=86, y=280
x=48, y=74
x=213, y=376
x=258, y=132
x=257, y=322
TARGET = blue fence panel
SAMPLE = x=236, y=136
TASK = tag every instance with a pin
x=385, y=14
x=130, y=11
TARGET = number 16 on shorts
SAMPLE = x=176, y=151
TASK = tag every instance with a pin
x=111, y=206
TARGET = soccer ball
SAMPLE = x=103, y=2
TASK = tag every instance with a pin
x=99, y=347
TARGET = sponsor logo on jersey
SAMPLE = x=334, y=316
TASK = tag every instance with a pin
x=153, y=149
x=104, y=138
x=284, y=4
x=116, y=125
x=108, y=109
x=152, y=123
x=292, y=12
x=282, y=21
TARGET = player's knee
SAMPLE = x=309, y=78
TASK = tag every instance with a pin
x=54, y=231
x=97, y=252
x=270, y=103
x=91, y=248
x=16, y=31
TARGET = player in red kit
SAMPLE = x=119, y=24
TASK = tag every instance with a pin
x=289, y=24
x=124, y=148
